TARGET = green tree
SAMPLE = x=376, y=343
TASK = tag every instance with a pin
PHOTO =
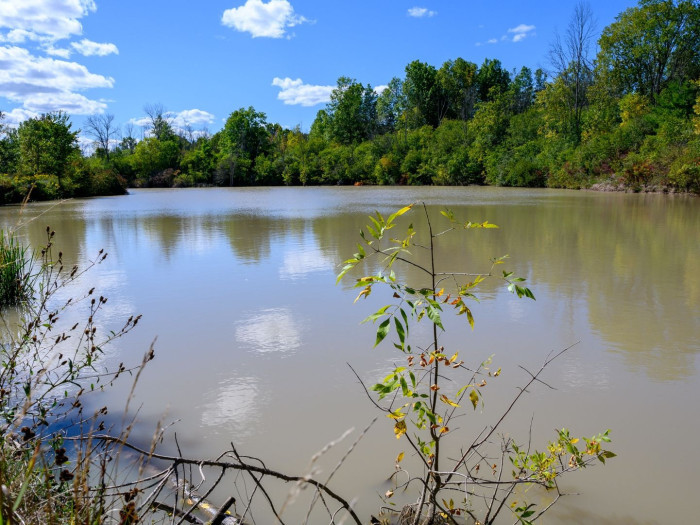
x=46, y=145
x=491, y=80
x=160, y=126
x=244, y=137
x=352, y=112
x=198, y=163
x=457, y=79
x=9, y=148
x=152, y=156
x=425, y=101
x=652, y=44
x=390, y=106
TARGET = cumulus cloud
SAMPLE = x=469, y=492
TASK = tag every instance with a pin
x=262, y=19
x=295, y=92
x=192, y=117
x=420, y=12
x=35, y=70
x=16, y=116
x=58, y=52
x=43, y=19
x=380, y=89
x=521, y=32
x=73, y=103
x=89, y=48
x=22, y=73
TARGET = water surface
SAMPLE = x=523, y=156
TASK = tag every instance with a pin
x=254, y=339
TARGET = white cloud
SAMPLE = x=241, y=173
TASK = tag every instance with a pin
x=58, y=52
x=35, y=72
x=89, y=48
x=521, y=32
x=73, y=103
x=492, y=41
x=420, y=12
x=380, y=89
x=44, y=84
x=262, y=19
x=22, y=73
x=192, y=117
x=295, y=92
x=142, y=122
x=16, y=116
x=49, y=20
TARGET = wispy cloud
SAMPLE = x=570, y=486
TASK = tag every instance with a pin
x=521, y=32
x=295, y=92
x=421, y=12
x=262, y=19
x=89, y=48
x=514, y=34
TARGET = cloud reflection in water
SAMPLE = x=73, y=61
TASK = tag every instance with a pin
x=272, y=330
x=234, y=405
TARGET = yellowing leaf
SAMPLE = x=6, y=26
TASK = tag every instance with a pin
x=447, y=401
x=396, y=414
x=400, y=429
x=574, y=441
x=366, y=291
x=399, y=458
x=444, y=429
x=474, y=398
x=454, y=357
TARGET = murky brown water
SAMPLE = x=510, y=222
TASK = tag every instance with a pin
x=254, y=338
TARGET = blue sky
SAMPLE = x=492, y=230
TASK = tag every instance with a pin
x=202, y=60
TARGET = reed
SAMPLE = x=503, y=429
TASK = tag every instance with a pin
x=16, y=264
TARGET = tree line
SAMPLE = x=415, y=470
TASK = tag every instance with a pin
x=627, y=115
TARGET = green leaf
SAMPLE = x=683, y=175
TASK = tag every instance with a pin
x=404, y=387
x=398, y=213
x=405, y=319
x=382, y=331
x=399, y=330
x=345, y=270
x=434, y=316
x=449, y=214
x=376, y=315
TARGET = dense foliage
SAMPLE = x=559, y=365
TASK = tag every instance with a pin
x=628, y=117
x=41, y=160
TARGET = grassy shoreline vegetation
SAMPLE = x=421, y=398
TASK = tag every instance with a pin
x=64, y=459
x=626, y=118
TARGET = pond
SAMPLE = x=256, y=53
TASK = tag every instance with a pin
x=254, y=341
